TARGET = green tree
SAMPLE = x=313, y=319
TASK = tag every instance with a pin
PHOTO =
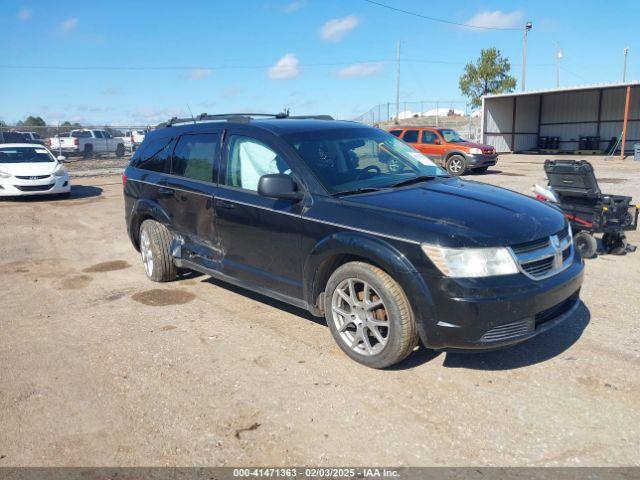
x=490, y=74
x=32, y=121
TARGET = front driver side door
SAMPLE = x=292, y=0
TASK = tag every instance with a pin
x=260, y=237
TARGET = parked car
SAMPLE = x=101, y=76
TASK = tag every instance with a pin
x=13, y=137
x=449, y=148
x=133, y=138
x=88, y=142
x=28, y=169
x=350, y=223
x=33, y=137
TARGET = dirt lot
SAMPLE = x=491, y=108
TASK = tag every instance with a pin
x=99, y=366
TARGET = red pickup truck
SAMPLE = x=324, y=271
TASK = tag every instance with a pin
x=447, y=147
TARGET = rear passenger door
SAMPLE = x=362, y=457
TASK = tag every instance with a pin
x=188, y=196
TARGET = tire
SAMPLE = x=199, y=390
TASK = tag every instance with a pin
x=456, y=165
x=393, y=319
x=586, y=244
x=155, y=249
x=614, y=243
x=87, y=153
x=120, y=150
x=480, y=170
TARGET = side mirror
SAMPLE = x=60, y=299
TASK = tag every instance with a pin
x=278, y=185
x=61, y=158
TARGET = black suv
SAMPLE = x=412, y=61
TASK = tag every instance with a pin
x=352, y=224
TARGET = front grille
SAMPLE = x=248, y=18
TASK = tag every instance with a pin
x=33, y=177
x=545, y=256
x=34, y=188
x=507, y=331
x=539, y=267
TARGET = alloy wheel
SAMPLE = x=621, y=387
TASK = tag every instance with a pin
x=455, y=166
x=360, y=316
x=145, y=251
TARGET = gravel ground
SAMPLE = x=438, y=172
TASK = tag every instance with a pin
x=100, y=367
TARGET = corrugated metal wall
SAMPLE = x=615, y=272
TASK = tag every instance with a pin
x=568, y=115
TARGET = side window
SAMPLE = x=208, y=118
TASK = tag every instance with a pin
x=411, y=136
x=155, y=155
x=98, y=134
x=395, y=133
x=429, y=137
x=194, y=156
x=247, y=160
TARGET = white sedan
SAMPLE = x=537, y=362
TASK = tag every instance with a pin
x=28, y=169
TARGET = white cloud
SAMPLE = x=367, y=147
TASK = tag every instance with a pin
x=361, y=70
x=285, y=68
x=496, y=19
x=24, y=14
x=336, y=29
x=294, y=6
x=199, y=73
x=69, y=24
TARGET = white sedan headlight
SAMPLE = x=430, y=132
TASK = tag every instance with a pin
x=471, y=262
x=4, y=174
x=59, y=171
x=475, y=151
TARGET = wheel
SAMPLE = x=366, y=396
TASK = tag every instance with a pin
x=155, y=248
x=614, y=243
x=120, y=150
x=480, y=170
x=586, y=244
x=456, y=165
x=369, y=315
x=88, y=151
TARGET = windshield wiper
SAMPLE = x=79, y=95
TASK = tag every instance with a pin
x=409, y=181
x=355, y=191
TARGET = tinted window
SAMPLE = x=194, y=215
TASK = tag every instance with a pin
x=248, y=160
x=194, y=156
x=155, y=155
x=411, y=136
x=429, y=137
x=98, y=134
x=80, y=134
x=395, y=133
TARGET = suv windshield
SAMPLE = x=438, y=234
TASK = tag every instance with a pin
x=24, y=155
x=451, y=136
x=361, y=159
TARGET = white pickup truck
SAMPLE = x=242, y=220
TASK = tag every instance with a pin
x=87, y=142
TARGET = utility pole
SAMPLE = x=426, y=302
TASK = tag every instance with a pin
x=624, y=69
x=398, y=85
x=527, y=27
x=558, y=57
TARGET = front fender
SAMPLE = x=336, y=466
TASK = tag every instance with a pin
x=323, y=260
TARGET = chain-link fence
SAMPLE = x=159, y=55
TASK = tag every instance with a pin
x=437, y=113
x=65, y=139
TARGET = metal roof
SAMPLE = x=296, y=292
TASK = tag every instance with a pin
x=592, y=86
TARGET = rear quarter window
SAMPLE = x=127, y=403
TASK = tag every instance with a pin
x=154, y=156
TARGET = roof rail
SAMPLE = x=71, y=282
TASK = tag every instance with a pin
x=238, y=118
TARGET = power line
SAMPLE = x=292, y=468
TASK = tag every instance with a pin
x=433, y=19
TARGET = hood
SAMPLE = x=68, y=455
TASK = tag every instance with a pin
x=26, y=169
x=456, y=212
x=481, y=146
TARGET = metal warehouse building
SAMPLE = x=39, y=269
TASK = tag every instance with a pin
x=514, y=122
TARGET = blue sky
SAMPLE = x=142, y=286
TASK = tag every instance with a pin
x=208, y=44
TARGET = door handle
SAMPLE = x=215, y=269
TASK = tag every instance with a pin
x=226, y=204
x=166, y=192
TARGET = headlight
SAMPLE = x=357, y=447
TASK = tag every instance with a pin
x=475, y=151
x=4, y=174
x=59, y=171
x=471, y=262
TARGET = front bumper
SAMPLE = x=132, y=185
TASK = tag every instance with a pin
x=478, y=161
x=51, y=185
x=490, y=313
